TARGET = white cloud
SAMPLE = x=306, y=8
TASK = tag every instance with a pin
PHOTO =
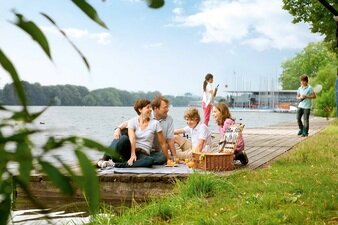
x=102, y=38
x=261, y=24
x=178, y=11
x=75, y=33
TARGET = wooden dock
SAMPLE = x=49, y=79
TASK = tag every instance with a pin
x=261, y=145
x=265, y=144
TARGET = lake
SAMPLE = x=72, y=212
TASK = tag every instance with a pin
x=98, y=123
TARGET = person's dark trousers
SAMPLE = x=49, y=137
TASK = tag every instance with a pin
x=121, y=154
x=158, y=157
x=303, y=126
x=142, y=160
x=120, y=149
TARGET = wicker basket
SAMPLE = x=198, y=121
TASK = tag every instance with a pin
x=213, y=161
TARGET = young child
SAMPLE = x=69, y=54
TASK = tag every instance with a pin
x=208, y=97
x=304, y=94
x=223, y=119
x=199, y=132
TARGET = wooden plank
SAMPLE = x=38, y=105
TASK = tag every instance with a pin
x=268, y=157
x=262, y=154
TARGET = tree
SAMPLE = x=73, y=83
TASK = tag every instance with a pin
x=309, y=61
x=320, y=64
x=325, y=105
x=313, y=12
x=19, y=123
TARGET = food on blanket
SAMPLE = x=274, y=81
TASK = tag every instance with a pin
x=177, y=160
x=186, y=161
x=190, y=164
x=171, y=163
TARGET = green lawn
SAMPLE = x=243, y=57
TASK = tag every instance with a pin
x=299, y=188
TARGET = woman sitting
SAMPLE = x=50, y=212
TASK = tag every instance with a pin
x=134, y=149
x=199, y=132
x=223, y=119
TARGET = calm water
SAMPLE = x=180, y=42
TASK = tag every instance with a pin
x=98, y=123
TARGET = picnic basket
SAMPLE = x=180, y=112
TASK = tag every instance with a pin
x=213, y=161
x=223, y=159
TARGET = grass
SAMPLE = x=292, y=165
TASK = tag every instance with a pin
x=299, y=188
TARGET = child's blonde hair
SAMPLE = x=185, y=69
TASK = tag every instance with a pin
x=192, y=113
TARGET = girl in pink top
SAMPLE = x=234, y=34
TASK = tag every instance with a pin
x=223, y=119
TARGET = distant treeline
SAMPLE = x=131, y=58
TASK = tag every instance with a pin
x=71, y=95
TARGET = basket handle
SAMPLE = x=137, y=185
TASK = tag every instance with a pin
x=223, y=143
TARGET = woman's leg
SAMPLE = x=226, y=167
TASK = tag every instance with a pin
x=120, y=149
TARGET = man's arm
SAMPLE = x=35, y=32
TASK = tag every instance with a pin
x=171, y=144
x=163, y=144
x=117, y=132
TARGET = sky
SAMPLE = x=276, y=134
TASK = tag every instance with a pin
x=242, y=43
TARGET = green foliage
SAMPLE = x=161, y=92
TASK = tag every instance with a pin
x=89, y=11
x=6, y=187
x=84, y=59
x=59, y=179
x=9, y=67
x=310, y=61
x=71, y=95
x=34, y=31
x=312, y=12
x=91, y=183
x=326, y=103
x=155, y=4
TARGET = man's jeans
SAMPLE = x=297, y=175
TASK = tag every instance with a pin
x=304, y=127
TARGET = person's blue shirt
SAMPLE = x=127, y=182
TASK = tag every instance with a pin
x=305, y=103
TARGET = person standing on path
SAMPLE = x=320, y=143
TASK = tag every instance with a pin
x=305, y=94
x=208, y=97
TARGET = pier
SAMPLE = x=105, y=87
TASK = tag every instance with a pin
x=262, y=145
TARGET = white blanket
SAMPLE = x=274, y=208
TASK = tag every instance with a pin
x=179, y=169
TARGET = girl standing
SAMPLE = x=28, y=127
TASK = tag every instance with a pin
x=208, y=97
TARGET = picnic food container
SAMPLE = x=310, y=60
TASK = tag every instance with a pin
x=213, y=161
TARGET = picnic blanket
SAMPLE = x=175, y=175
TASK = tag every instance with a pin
x=158, y=169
